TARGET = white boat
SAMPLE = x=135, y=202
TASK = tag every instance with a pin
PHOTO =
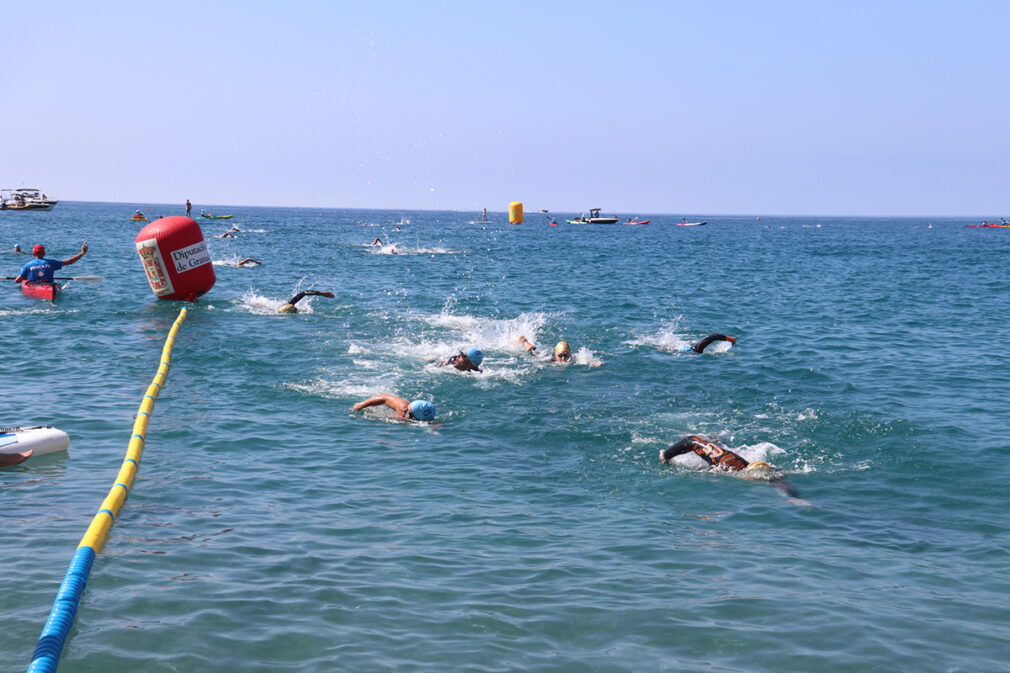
x=596, y=218
x=19, y=444
x=25, y=198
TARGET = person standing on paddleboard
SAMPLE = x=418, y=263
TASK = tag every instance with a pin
x=42, y=270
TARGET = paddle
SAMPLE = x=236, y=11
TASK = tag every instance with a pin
x=90, y=280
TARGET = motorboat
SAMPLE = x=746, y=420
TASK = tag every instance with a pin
x=596, y=218
x=25, y=198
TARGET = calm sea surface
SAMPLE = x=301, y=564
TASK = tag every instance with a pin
x=532, y=528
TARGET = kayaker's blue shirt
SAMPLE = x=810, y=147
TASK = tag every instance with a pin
x=41, y=270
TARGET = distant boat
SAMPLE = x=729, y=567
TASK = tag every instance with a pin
x=25, y=198
x=208, y=216
x=596, y=218
x=685, y=223
x=635, y=220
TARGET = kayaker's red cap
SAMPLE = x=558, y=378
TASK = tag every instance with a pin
x=39, y=249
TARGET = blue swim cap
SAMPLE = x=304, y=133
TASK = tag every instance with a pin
x=422, y=410
x=475, y=356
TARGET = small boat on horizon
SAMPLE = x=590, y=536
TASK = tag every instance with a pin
x=594, y=218
x=208, y=216
x=25, y=198
x=685, y=223
x=635, y=220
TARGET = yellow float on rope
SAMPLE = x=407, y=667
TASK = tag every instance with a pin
x=516, y=212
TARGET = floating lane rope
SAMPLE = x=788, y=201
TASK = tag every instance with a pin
x=54, y=634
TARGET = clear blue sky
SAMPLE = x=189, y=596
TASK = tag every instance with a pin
x=803, y=107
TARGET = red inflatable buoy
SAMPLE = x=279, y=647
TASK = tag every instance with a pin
x=176, y=258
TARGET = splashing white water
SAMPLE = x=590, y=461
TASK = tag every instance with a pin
x=669, y=338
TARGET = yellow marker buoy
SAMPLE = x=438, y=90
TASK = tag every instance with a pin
x=516, y=212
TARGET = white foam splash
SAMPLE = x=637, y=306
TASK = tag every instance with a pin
x=261, y=305
x=399, y=249
x=485, y=333
x=670, y=339
x=667, y=338
x=584, y=356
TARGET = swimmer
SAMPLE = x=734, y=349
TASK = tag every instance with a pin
x=248, y=260
x=715, y=453
x=289, y=307
x=705, y=343
x=562, y=351
x=18, y=250
x=377, y=241
x=418, y=410
x=227, y=234
x=466, y=360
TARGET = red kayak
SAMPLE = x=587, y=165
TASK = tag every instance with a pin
x=637, y=222
x=41, y=290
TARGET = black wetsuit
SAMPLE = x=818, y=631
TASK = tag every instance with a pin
x=704, y=343
x=713, y=453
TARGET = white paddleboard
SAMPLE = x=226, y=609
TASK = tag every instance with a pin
x=19, y=444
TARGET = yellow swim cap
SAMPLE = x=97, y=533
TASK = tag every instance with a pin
x=562, y=348
x=287, y=308
x=758, y=465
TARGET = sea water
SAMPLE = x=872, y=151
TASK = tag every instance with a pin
x=531, y=527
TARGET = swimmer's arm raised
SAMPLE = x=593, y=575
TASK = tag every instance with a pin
x=704, y=343
x=372, y=402
x=685, y=445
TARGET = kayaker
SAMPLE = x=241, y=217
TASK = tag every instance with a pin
x=467, y=360
x=562, y=351
x=418, y=410
x=705, y=343
x=289, y=306
x=715, y=453
x=41, y=269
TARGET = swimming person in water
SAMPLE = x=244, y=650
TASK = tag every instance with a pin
x=705, y=343
x=715, y=453
x=466, y=360
x=562, y=351
x=418, y=410
x=248, y=260
x=289, y=306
